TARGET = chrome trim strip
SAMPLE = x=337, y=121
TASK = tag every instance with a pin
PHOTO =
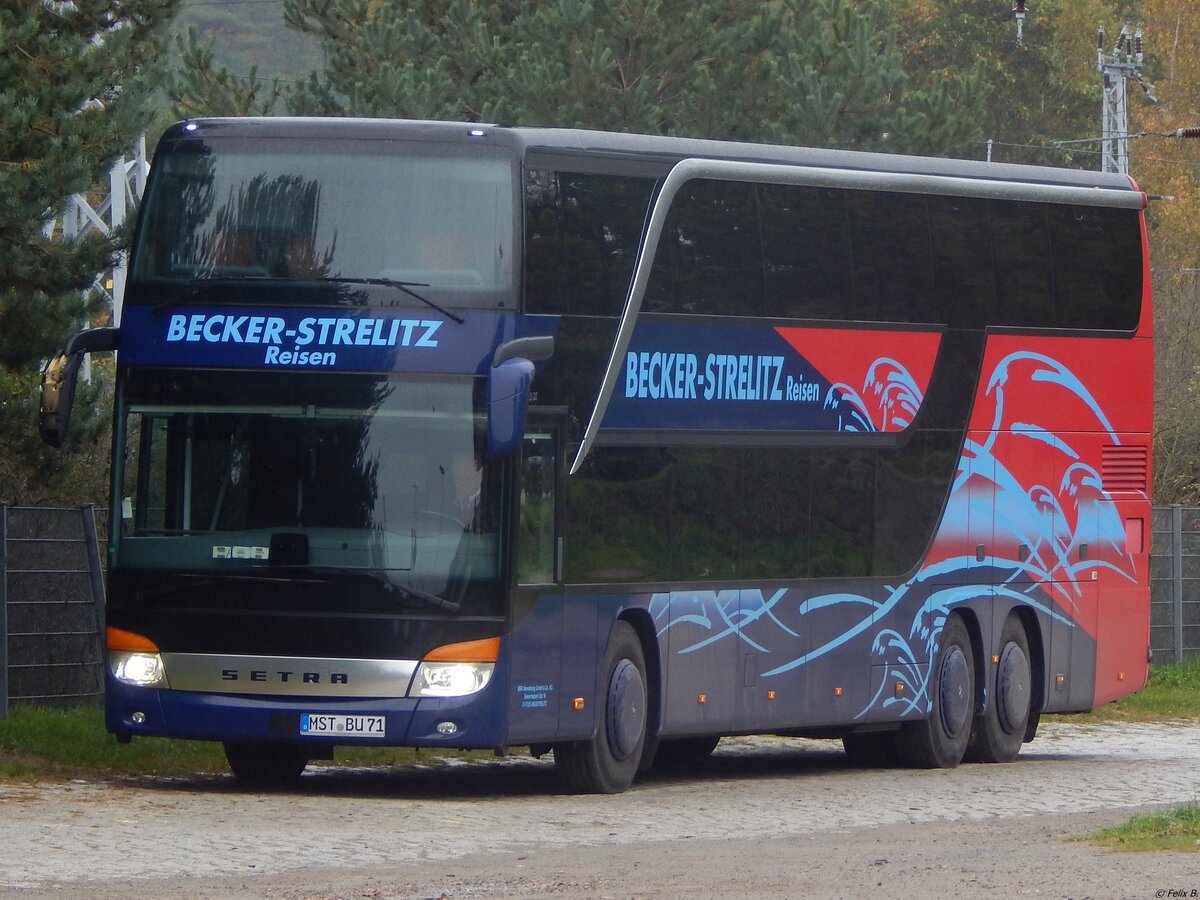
x=770, y=173
x=290, y=676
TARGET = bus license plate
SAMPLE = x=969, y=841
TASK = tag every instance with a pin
x=323, y=724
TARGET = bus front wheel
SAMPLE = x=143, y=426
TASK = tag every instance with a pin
x=608, y=762
x=265, y=764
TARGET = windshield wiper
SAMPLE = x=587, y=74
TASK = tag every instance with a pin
x=424, y=596
x=403, y=286
x=198, y=285
x=404, y=591
x=195, y=286
x=191, y=580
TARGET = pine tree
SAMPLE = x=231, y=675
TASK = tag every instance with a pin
x=822, y=72
x=1041, y=90
x=74, y=82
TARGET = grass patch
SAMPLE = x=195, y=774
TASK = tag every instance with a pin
x=1175, y=829
x=49, y=743
x=1171, y=692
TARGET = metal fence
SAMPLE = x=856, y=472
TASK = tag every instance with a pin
x=1175, y=584
x=51, y=606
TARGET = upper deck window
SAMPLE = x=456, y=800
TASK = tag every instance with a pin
x=291, y=220
x=732, y=248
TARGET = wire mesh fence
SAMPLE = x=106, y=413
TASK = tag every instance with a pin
x=1175, y=584
x=51, y=606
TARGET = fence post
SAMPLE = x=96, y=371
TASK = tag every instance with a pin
x=96, y=580
x=1177, y=581
x=3, y=611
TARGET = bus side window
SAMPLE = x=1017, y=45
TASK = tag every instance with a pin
x=536, y=530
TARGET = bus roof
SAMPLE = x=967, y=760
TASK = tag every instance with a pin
x=652, y=149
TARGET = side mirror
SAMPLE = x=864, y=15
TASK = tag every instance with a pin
x=509, y=381
x=508, y=402
x=59, y=379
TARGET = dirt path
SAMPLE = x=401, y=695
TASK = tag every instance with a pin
x=765, y=817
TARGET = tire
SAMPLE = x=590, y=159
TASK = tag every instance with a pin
x=264, y=764
x=998, y=733
x=940, y=740
x=870, y=749
x=608, y=762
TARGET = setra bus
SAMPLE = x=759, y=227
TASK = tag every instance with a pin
x=458, y=435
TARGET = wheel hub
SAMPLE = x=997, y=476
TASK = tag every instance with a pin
x=1012, y=689
x=626, y=709
x=954, y=695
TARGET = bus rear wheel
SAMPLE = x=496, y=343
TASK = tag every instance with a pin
x=998, y=733
x=940, y=740
x=608, y=762
x=265, y=764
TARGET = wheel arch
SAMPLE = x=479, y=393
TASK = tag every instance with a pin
x=970, y=618
x=643, y=626
x=1037, y=651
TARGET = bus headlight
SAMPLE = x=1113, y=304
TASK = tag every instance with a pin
x=138, y=668
x=451, y=679
x=456, y=670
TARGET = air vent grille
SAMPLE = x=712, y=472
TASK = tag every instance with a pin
x=1124, y=468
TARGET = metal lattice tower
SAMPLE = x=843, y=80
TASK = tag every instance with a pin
x=1117, y=68
x=105, y=212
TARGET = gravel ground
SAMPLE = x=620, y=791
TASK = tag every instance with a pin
x=764, y=817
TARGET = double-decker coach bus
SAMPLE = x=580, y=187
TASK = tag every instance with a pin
x=452, y=435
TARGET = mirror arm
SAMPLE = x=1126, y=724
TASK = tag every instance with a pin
x=92, y=340
x=534, y=349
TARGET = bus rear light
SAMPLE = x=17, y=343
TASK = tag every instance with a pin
x=578, y=704
x=119, y=639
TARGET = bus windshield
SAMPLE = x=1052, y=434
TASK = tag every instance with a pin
x=307, y=475
x=435, y=218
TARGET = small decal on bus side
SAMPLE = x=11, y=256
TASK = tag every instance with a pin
x=223, y=552
x=535, y=696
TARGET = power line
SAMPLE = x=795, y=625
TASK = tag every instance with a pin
x=266, y=79
x=1079, y=151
